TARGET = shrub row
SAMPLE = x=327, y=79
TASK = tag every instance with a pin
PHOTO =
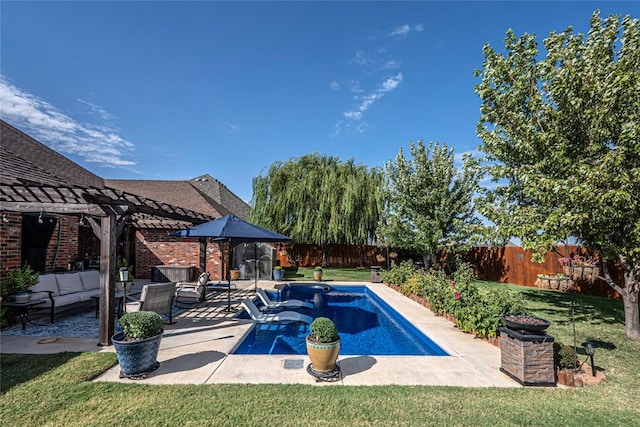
x=475, y=310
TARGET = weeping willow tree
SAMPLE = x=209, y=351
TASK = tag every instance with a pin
x=319, y=200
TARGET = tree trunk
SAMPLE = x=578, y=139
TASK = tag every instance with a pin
x=631, y=309
x=629, y=295
x=427, y=259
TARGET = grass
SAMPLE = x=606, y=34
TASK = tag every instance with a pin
x=330, y=274
x=55, y=389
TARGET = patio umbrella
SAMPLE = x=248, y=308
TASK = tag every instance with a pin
x=233, y=230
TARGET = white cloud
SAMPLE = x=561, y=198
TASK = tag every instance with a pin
x=400, y=31
x=232, y=128
x=353, y=115
x=360, y=58
x=403, y=30
x=94, y=143
x=334, y=85
x=96, y=109
x=366, y=101
x=391, y=64
x=390, y=83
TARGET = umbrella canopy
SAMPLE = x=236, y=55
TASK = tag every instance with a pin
x=232, y=229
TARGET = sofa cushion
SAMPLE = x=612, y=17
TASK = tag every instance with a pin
x=69, y=283
x=86, y=295
x=63, y=300
x=90, y=279
x=46, y=282
x=43, y=296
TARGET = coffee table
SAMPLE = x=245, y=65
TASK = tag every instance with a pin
x=23, y=309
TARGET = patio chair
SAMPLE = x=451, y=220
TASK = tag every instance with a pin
x=290, y=303
x=280, y=317
x=194, y=291
x=156, y=297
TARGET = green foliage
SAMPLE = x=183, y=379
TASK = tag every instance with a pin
x=399, y=273
x=20, y=279
x=324, y=330
x=476, y=311
x=317, y=268
x=318, y=200
x=564, y=356
x=277, y=268
x=428, y=204
x=139, y=325
x=561, y=133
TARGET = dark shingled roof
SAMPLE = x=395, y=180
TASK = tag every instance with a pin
x=25, y=160
x=179, y=193
x=219, y=193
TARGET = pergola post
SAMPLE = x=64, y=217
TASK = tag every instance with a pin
x=107, y=278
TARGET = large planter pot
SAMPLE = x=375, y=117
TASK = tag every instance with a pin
x=136, y=358
x=317, y=275
x=525, y=323
x=235, y=274
x=323, y=355
x=278, y=274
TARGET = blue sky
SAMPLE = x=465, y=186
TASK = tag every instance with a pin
x=173, y=90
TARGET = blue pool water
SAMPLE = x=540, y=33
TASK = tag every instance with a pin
x=366, y=325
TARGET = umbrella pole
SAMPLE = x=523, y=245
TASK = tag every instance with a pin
x=229, y=309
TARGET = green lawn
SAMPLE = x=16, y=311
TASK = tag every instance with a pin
x=330, y=274
x=55, y=389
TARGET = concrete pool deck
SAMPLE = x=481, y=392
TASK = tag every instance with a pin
x=196, y=350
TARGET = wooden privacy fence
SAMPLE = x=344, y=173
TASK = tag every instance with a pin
x=510, y=264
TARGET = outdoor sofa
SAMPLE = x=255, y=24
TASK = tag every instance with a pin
x=63, y=291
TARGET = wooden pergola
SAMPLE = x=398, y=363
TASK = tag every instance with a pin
x=106, y=210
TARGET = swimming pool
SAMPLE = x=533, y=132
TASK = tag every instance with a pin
x=366, y=324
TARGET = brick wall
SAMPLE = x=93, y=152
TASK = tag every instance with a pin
x=10, y=241
x=156, y=247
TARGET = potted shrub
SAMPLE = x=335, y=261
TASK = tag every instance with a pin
x=138, y=344
x=317, y=273
x=323, y=344
x=18, y=282
x=278, y=273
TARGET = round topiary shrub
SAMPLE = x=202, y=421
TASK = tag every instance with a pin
x=323, y=330
x=140, y=325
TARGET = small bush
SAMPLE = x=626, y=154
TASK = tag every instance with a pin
x=140, y=325
x=399, y=274
x=324, y=330
x=564, y=356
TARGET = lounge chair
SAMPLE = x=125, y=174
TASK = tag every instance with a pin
x=281, y=317
x=290, y=303
x=156, y=297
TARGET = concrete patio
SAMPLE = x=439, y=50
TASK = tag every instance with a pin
x=196, y=350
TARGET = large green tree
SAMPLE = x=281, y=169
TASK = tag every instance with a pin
x=428, y=202
x=319, y=200
x=561, y=129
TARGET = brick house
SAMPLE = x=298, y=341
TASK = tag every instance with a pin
x=59, y=236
